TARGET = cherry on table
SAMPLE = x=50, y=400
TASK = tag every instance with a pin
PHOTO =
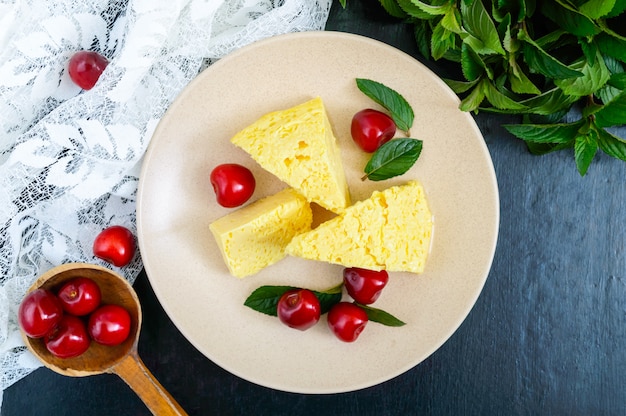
x=85, y=68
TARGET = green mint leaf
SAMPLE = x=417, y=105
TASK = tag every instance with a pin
x=422, y=37
x=501, y=101
x=520, y=83
x=328, y=297
x=614, y=66
x=542, y=62
x=400, y=110
x=590, y=50
x=393, y=159
x=475, y=98
x=343, y=3
x=545, y=133
x=441, y=42
x=393, y=9
x=612, y=46
x=569, y=18
x=593, y=78
x=618, y=81
x=611, y=145
x=381, y=317
x=478, y=23
x=550, y=102
x=471, y=63
x=545, y=148
x=585, y=148
x=595, y=9
x=265, y=298
x=414, y=7
x=460, y=87
x=547, y=104
x=452, y=20
x=613, y=113
x=607, y=93
x=618, y=8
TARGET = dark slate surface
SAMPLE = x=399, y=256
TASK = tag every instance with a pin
x=547, y=335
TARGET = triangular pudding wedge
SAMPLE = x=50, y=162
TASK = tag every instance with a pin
x=254, y=237
x=391, y=230
x=299, y=147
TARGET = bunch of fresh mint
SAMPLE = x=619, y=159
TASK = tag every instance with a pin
x=542, y=59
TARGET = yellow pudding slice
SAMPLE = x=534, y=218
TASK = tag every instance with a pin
x=391, y=230
x=299, y=147
x=255, y=236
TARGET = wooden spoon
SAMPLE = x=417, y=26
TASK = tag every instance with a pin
x=122, y=359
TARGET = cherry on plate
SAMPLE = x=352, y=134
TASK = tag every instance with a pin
x=347, y=320
x=371, y=129
x=299, y=309
x=364, y=286
x=233, y=184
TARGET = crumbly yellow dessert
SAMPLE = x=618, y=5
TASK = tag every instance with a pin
x=391, y=230
x=299, y=147
x=255, y=236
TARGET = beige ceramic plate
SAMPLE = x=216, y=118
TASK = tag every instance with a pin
x=177, y=204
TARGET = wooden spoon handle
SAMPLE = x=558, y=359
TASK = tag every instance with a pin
x=134, y=372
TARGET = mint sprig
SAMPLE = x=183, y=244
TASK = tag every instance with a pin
x=265, y=298
x=398, y=107
x=393, y=158
x=380, y=316
x=544, y=60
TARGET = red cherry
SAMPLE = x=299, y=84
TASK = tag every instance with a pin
x=371, y=129
x=69, y=338
x=364, y=286
x=116, y=245
x=39, y=312
x=233, y=184
x=347, y=321
x=80, y=296
x=109, y=325
x=85, y=68
x=299, y=309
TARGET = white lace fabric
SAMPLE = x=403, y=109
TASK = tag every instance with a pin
x=70, y=159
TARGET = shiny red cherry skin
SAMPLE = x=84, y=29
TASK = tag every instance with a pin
x=69, y=338
x=364, y=286
x=85, y=68
x=347, y=320
x=233, y=184
x=371, y=129
x=39, y=312
x=80, y=296
x=109, y=325
x=299, y=309
x=116, y=245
